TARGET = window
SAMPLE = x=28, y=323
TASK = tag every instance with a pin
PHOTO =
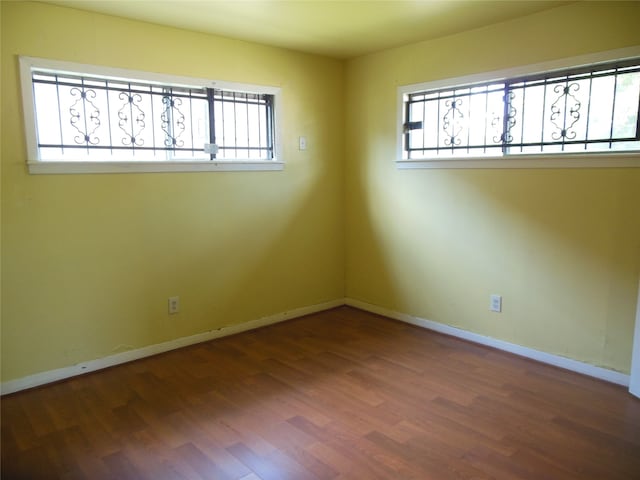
x=582, y=110
x=83, y=118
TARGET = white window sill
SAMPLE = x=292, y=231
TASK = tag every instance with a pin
x=564, y=160
x=52, y=167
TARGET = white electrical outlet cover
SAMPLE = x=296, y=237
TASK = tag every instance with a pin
x=174, y=305
x=496, y=303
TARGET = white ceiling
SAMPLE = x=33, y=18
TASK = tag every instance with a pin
x=336, y=28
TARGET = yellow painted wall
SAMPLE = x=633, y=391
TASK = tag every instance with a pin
x=88, y=261
x=561, y=246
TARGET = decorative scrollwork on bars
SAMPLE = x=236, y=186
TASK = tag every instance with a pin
x=452, y=122
x=503, y=127
x=172, y=121
x=78, y=112
x=511, y=117
x=132, y=119
x=565, y=111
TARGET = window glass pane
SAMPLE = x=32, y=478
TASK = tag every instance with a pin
x=495, y=110
x=625, y=146
x=478, y=117
x=230, y=140
x=600, y=111
x=47, y=120
x=253, y=115
x=532, y=116
x=430, y=131
x=219, y=125
x=242, y=133
x=625, y=119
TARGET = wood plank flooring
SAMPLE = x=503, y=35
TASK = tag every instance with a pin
x=341, y=394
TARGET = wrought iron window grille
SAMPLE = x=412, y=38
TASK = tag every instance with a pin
x=78, y=116
x=575, y=110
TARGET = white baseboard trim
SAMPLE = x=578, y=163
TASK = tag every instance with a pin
x=42, y=378
x=544, y=357
x=50, y=376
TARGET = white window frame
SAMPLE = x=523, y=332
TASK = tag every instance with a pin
x=38, y=166
x=547, y=160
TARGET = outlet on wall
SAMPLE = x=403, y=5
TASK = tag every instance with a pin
x=496, y=303
x=174, y=305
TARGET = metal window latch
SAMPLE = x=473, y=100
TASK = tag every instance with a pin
x=210, y=148
x=408, y=126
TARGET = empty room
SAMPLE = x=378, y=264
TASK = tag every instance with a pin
x=324, y=240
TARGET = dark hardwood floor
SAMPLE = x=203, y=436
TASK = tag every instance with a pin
x=342, y=394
